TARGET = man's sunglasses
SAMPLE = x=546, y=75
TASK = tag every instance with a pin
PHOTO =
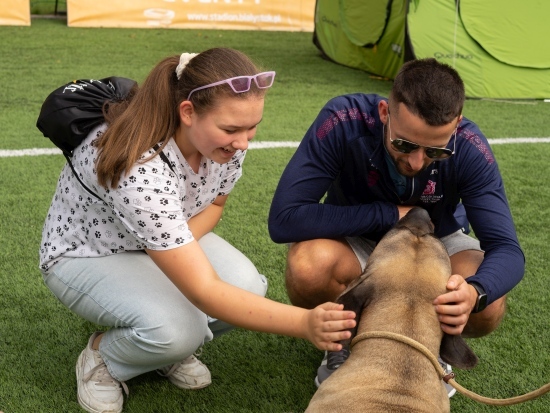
x=241, y=84
x=432, y=152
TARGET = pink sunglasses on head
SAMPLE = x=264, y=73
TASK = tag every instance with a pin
x=241, y=84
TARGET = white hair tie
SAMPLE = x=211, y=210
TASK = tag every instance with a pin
x=184, y=59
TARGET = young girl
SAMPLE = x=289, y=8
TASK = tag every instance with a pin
x=198, y=112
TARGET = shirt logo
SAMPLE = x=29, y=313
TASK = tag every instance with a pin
x=430, y=188
x=429, y=196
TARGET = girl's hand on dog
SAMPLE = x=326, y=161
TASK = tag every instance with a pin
x=327, y=324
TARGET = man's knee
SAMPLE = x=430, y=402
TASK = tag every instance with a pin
x=318, y=270
x=306, y=272
x=305, y=263
x=466, y=262
x=314, y=257
x=318, y=264
x=487, y=321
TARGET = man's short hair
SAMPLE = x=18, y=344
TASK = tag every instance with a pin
x=431, y=90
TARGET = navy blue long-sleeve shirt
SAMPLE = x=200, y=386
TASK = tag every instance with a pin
x=342, y=155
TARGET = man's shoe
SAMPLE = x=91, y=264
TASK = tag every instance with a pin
x=448, y=370
x=331, y=361
x=97, y=390
x=188, y=374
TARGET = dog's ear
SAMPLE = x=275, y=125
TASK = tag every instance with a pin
x=456, y=352
x=356, y=298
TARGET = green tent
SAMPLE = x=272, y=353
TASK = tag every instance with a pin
x=500, y=48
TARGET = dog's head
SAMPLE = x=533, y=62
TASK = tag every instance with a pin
x=408, y=262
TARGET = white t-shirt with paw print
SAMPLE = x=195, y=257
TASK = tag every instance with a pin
x=149, y=209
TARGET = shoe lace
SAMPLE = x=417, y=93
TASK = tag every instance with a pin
x=336, y=358
x=175, y=366
x=170, y=371
x=198, y=352
x=102, y=377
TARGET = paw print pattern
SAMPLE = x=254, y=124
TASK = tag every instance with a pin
x=148, y=209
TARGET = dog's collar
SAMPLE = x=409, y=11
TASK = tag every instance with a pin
x=409, y=341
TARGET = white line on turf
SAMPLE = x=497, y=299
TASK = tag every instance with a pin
x=6, y=153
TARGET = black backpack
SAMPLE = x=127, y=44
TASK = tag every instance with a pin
x=71, y=111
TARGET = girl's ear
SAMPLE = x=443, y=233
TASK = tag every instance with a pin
x=186, y=111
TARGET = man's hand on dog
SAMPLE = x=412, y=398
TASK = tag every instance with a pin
x=454, y=308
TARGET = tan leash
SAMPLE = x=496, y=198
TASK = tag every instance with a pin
x=449, y=378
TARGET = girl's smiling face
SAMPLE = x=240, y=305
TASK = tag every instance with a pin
x=222, y=130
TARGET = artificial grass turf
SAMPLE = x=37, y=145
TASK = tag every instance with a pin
x=252, y=372
x=36, y=60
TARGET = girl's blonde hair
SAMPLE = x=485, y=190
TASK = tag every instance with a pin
x=150, y=115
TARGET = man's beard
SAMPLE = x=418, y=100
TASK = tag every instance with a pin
x=400, y=165
x=403, y=170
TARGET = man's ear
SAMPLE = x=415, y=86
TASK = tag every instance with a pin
x=186, y=111
x=383, y=111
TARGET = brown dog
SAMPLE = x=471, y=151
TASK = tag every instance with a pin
x=404, y=274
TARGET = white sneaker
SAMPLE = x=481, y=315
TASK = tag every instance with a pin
x=98, y=391
x=448, y=370
x=187, y=374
